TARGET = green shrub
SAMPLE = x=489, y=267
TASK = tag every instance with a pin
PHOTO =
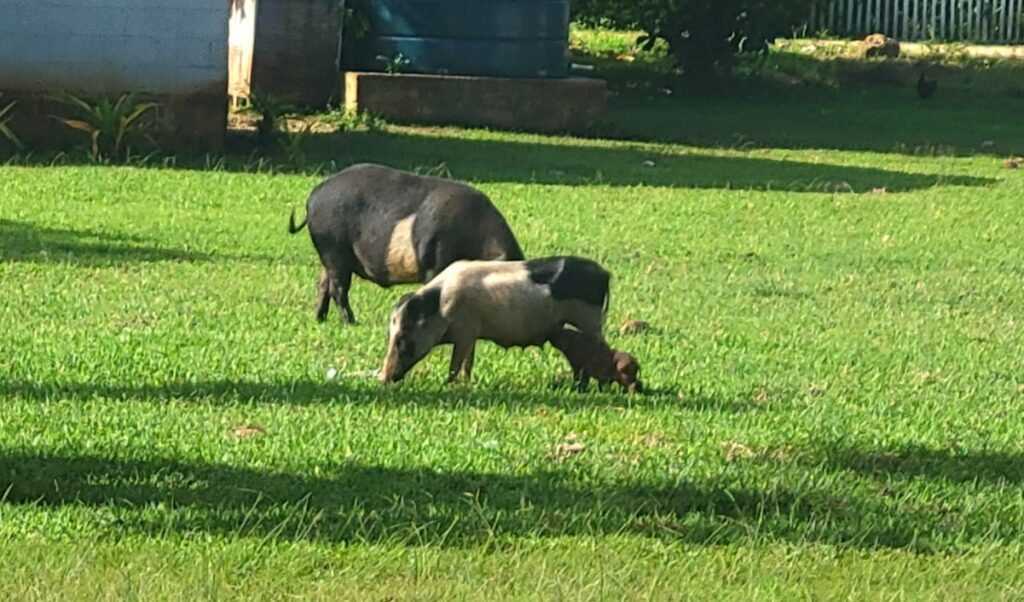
x=349, y=120
x=703, y=35
x=270, y=110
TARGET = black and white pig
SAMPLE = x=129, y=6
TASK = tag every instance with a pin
x=518, y=303
x=395, y=227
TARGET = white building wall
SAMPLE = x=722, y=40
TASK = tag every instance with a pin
x=111, y=46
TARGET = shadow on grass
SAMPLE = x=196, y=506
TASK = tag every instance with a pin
x=26, y=242
x=368, y=391
x=591, y=163
x=917, y=461
x=32, y=243
x=792, y=100
x=557, y=161
x=352, y=502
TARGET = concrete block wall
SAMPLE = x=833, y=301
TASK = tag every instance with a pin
x=570, y=104
x=171, y=49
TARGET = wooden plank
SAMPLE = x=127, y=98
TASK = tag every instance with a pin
x=955, y=16
x=958, y=18
x=950, y=20
x=832, y=17
x=1004, y=20
x=944, y=19
x=933, y=23
x=996, y=20
x=951, y=6
x=849, y=17
x=970, y=21
x=982, y=27
x=1001, y=20
x=924, y=5
x=986, y=19
x=907, y=23
x=961, y=19
x=922, y=19
x=980, y=20
x=966, y=20
x=915, y=21
x=1015, y=21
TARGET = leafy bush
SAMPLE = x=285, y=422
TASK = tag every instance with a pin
x=355, y=27
x=703, y=35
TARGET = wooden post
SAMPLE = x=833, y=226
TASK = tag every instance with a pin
x=969, y=21
x=906, y=19
x=1015, y=21
x=986, y=21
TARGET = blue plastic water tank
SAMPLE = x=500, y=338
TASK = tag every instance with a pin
x=498, y=38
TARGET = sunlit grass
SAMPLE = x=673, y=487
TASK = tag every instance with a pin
x=833, y=362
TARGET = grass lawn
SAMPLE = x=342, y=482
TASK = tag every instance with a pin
x=834, y=367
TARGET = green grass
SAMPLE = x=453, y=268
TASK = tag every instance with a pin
x=814, y=94
x=834, y=367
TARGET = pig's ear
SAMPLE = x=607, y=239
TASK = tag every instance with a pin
x=424, y=305
x=403, y=300
x=431, y=302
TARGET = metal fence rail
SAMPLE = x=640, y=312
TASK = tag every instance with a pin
x=992, y=21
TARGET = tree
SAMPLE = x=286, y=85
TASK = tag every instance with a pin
x=703, y=35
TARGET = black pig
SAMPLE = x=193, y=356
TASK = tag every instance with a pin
x=395, y=227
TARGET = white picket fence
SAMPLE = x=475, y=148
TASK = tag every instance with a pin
x=991, y=21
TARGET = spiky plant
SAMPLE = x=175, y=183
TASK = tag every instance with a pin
x=112, y=127
x=5, y=130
